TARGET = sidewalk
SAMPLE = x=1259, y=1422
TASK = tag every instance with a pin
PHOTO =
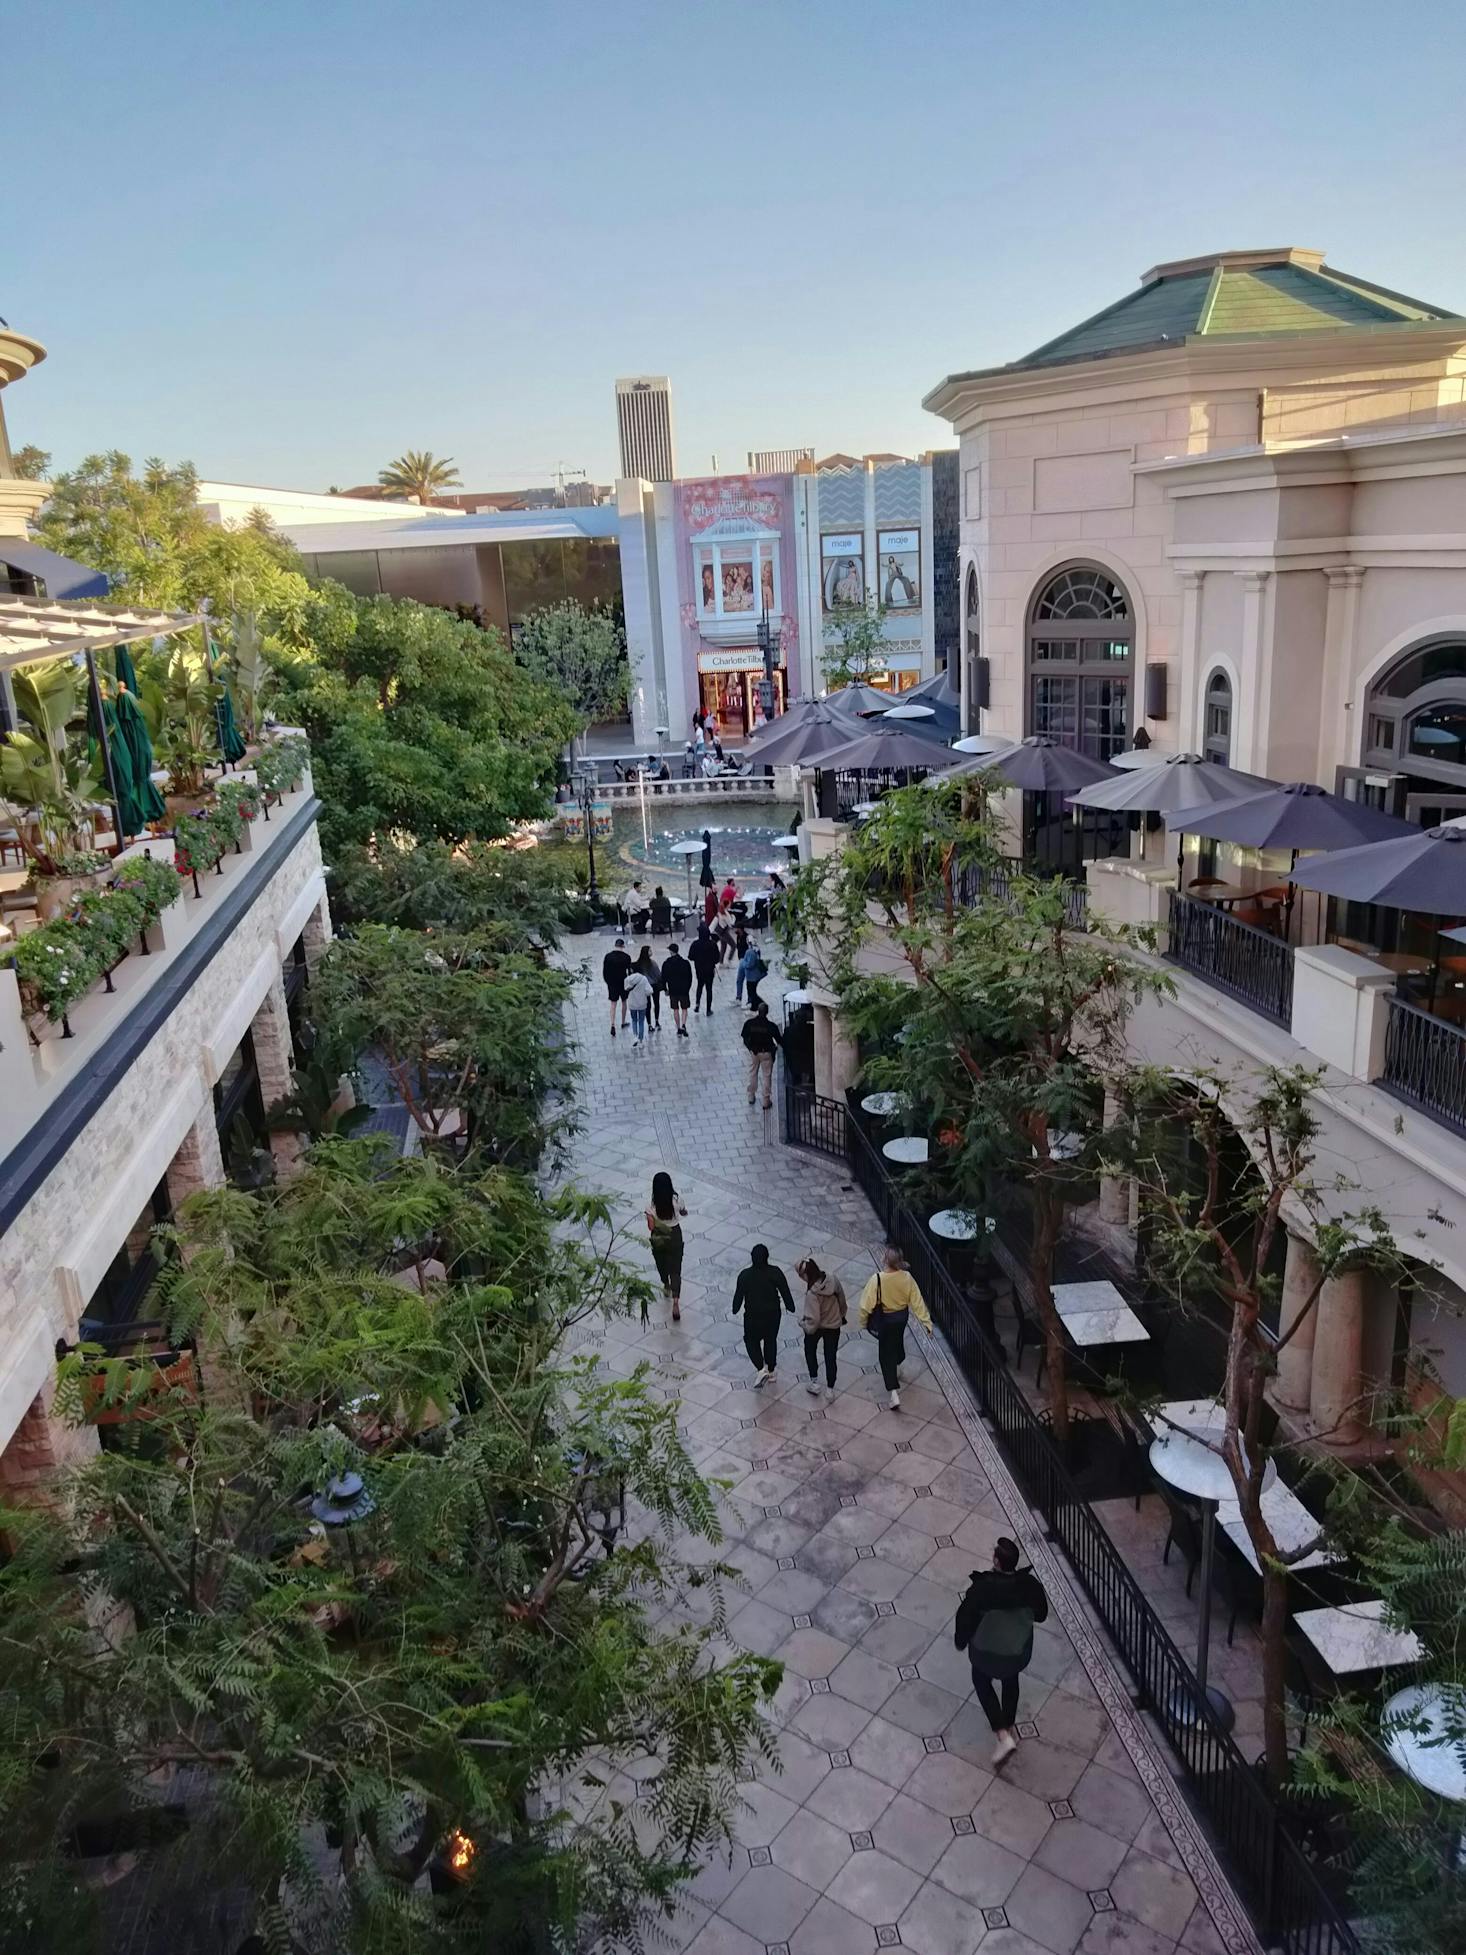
x=856, y=1529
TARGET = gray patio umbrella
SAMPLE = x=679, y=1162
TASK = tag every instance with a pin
x=1425, y=871
x=811, y=736
x=1040, y=765
x=857, y=698
x=1179, y=781
x=1299, y=816
x=883, y=747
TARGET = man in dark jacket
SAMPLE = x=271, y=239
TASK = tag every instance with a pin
x=661, y=913
x=704, y=956
x=615, y=966
x=761, y=1288
x=677, y=980
x=762, y=1041
x=995, y=1626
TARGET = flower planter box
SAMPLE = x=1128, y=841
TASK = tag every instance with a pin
x=56, y=894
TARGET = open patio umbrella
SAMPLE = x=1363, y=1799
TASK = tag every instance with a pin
x=1176, y=781
x=1039, y=765
x=858, y=699
x=812, y=734
x=1299, y=816
x=1425, y=871
x=883, y=747
x=132, y=738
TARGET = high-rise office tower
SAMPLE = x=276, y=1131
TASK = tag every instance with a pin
x=644, y=422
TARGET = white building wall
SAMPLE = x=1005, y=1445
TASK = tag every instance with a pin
x=231, y=504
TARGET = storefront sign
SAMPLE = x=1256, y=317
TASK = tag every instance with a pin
x=849, y=543
x=742, y=658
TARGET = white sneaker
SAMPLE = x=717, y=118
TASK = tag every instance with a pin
x=811, y=1384
x=1004, y=1749
x=895, y=1400
x=761, y=1378
x=829, y=1391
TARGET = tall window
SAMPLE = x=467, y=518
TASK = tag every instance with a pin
x=1079, y=644
x=1216, y=741
x=1415, y=714
x=736, y=579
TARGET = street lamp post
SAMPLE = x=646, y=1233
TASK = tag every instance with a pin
x=588, y=786
x=768, y=644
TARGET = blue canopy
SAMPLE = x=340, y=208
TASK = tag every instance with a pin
x=61, y=577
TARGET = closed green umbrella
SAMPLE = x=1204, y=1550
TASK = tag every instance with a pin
x=123, y=779
x=126, y=670
x=132, y=737
x=231, y=745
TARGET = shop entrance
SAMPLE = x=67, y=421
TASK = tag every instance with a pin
x=733, y=697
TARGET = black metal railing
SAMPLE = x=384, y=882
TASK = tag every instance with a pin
x=1292, y=1906
x=974, y=883
x=1425, y=1063
x=1234, y=957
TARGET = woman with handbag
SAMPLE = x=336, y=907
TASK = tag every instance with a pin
x=665, y=1230
x=888, y=1300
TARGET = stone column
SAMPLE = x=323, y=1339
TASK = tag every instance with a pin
x=1254, y=661
x=199, y=1162
x=1338, y=1355
x=1340, y=743
x=823, y=1038
x=1189, y=709
x=274, y=1056
x=1295, y=1361
x=1114, y=1191
x=316, y=933
x=41, y=1447
x=844, y=1058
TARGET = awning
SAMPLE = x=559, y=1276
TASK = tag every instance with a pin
x=60, y=575
x=32, y=629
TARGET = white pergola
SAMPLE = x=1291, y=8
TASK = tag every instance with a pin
x=36, y=629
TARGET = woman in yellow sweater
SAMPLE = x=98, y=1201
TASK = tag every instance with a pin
x=886, y=1302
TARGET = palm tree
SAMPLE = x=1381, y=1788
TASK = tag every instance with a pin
x=419, y=473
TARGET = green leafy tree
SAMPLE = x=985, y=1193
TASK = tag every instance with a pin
x=460, y=1669
x=140, y=529
x=1210, y=1236
x=30, y=463
x=434, y=887
x=421, y=726
x=998, y=1018
x=419, y=473
x=463, y=1023
x=855, y=643
x=580, y=653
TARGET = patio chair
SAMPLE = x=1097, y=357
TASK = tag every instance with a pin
x=1185, y=1532
x=1030, y=1331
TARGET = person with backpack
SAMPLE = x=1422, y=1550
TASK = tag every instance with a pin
x=886, y=1304
x=677, y=981
x=665, y=1228
x=760, y=1290
x=752, y=970
x=704, y=959
x=822, y=1321
x=615, y=969
x=995, y=1626
x=761, y=1041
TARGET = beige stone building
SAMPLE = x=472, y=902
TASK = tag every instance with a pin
x=1227, y=516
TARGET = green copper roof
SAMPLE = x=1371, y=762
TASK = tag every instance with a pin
x=1256, y=294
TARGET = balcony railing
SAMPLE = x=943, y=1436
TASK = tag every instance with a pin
x=1425, y=1063
x=975, y=884
x=1238, y=958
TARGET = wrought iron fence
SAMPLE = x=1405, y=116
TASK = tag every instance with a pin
x=973, y=883
x=1425, y=1063
x=1291, y=1904
x=1234, y=957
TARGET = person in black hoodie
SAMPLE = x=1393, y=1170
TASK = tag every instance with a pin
x=704, y=957
x=677, y=978
x=615, y=968
x=761, y=1288
x=661, y=913
x=995, y=1626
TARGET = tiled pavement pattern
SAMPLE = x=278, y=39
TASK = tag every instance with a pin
x=855, y=1529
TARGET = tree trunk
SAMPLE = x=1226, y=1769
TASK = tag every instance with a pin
x=1274, y=1703
x=1046, y=1215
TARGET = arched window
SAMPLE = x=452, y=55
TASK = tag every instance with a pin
x=1216, y=739
x=1415, y=714
x=1080, y=635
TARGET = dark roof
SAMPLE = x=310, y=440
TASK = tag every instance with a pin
x=1233, y=295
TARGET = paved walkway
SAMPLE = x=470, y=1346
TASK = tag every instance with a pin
x=855, y=1530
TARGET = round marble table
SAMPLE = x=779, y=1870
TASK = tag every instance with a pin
x=907, y=1150
x=1420, y=1753
x=883, y=1105
x=797, y=998
x=786, y=842
x=1185, y=1460
x=956, y=1225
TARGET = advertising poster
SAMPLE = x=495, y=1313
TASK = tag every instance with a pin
x=898, y=556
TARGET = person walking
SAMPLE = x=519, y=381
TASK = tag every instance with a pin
x=994, y=1625
x=822, y=1320
x=615, y=968
x=761, y=1040
x=677, y=980
x=752, y=970
x=638, y=995
x=661, y=913
x=665, y=1229
x=651, y=970
x=760, y=1289
x=888, y=1300
x=703, y=956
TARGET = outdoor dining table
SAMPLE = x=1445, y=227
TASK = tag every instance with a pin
x=907, y=1150
x=1427, y=1755
x=956, y=1225
x=1291, y=1525
x=883, y=1105
x=1097, y=1313
x=1187, y=1459
x=1356, y=1637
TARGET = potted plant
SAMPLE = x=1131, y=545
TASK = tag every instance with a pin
x=56, y=965
x=177, y=700
x=48, y=785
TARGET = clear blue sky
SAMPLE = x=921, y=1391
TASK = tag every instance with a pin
x=287, y=241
